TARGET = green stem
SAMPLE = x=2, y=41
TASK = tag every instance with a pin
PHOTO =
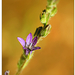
x=24, y=60
x=40, y=32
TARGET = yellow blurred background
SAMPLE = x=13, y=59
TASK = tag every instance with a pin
x=56, y=57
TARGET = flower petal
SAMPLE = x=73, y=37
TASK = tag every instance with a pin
x=30, y=52
x=26, y=51
x=22, y=42
x=34, y=41
x=29, y=39
x=35, y=48
x=7, y=72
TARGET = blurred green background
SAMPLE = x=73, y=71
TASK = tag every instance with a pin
x=56, y=57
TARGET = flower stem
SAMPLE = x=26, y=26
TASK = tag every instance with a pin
x=46, y=14
x=24, y=60
x=40, y=32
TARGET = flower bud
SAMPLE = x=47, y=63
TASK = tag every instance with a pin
x=37, y=32
x=54, y=11
x=48, y=9
x=42, y=31
x=43, y=17
x=45, y=31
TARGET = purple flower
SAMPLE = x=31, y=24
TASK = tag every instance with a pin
x=28, y=46
x=7, y=72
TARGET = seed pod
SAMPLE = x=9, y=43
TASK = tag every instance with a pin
x=45, y=31
x=43, y=17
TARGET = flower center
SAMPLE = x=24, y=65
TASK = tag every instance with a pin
x=30, y=46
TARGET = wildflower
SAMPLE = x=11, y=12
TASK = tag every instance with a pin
x=7, y=72
x=28, y=46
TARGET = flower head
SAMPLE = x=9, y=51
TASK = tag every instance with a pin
x=7, y=72
x=28, y=46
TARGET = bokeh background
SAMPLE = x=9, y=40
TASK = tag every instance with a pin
x=56, y=57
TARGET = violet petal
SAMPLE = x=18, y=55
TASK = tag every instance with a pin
x=7, y=72
x=35, y=48
x=29, y=39
x=34, y=41
x=22, y=42
x=26, y=51
x=30, y=52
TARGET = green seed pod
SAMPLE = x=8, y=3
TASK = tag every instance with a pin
x=54, y=11
x=43, y=17
x=48, y=9
x=49, y=2
x=37, y=32
x=45, y=30
x=42, y=31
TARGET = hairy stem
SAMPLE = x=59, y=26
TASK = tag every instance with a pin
x=40, y=32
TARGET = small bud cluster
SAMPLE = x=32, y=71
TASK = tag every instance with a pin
x=42, y=31
x=49, y=12
x=46, y=14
